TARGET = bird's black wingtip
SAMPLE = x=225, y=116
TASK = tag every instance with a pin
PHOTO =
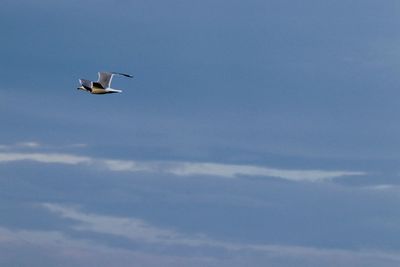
x=123, y=74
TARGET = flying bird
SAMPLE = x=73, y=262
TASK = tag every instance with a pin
x=102, y=86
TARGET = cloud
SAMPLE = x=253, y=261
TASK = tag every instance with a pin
x=27, y=144
x=54, y=248
x=36, y=145
x=178, y=168
x=224, y=170
x=382, y=188
x=131, y=228
x=142, y=232
x=44, y=158
x=30, y=144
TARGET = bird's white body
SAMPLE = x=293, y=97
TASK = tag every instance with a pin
x=102, y=86
x=100, y=91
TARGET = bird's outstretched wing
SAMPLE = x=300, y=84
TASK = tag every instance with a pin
x=86, y=83
x=106, y=77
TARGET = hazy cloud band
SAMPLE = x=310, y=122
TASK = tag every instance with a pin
x=178, y=168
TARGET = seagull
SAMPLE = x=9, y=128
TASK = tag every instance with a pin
x=102, y=86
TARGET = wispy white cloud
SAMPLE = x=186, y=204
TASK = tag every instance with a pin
x=140, y=231
x=224, y=170
x=131, y=228
x=30, y=144
x=382, y=188
x=39, y=237
x=178, y=168
x=37, y=145
x=25, y=144
x=44, y=158
x=54, y=248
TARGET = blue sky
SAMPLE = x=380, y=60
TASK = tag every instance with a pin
x=254, y=133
